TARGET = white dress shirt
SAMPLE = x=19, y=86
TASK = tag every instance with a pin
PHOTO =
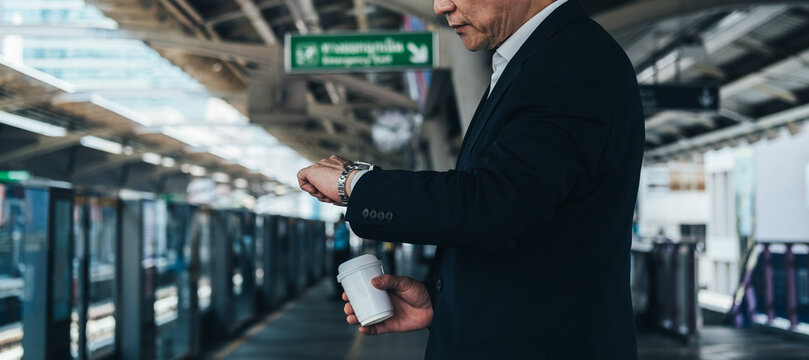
x=503, y=54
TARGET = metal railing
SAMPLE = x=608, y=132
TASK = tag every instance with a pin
x=774, y=288
x=664, y=286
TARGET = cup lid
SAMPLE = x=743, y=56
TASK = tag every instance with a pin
x=355, y=263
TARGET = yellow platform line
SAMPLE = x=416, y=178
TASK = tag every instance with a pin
x=356, y=345
x=221, y=354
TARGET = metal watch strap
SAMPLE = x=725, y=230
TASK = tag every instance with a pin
x=341, y=184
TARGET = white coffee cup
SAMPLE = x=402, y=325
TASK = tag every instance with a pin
x=370, y=304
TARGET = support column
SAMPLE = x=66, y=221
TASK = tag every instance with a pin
x=471, y=73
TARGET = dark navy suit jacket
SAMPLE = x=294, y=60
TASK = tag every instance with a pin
x=534, y=224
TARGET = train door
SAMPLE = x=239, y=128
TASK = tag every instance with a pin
x=172, y=304
x=33, y=308
x=242, y=247
x=60, y=241
x=262, y=299
x=94, y=265
x=200, y=276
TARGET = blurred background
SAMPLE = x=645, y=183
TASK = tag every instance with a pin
x=148, y=149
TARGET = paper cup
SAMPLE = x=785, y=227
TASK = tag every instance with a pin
x=370, y=304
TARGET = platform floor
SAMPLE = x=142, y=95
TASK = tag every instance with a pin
x=314, y=327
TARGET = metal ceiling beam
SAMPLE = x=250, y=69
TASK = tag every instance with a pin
x=269, y=56
x=260, y=54
x=27, y=99
x=45, y=145
x=784, y=118
x=421, y=9
x=645, y=12
x=786, y=66
x=154, y=175
x=196, y=26
x=238, y=14
x=340, y=113
x=111, y=162
x=386, y=96
x=361, y=15
x=257, y=20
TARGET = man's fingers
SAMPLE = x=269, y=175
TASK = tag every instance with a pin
x=345, y=296
x=352, y=319
x=348, y=309
x=334, y=164
x=302, y=174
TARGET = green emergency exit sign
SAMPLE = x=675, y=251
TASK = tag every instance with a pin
x=14, y=176
x=360, y=52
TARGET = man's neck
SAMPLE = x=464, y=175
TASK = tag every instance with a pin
x=536, y=7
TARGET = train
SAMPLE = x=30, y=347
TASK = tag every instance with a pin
x=86, y=275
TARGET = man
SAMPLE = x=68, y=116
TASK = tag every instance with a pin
x=534, y=223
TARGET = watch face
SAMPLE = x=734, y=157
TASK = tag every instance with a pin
x=361, y=165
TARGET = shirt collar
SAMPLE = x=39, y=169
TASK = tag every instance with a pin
x=513, y=44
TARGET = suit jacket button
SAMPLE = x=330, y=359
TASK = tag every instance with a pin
x=439, y=285
x=365, y=213
x=389, y=216
x=373, y=215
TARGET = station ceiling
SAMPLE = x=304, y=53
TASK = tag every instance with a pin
x=81, y=138
x=756, y=52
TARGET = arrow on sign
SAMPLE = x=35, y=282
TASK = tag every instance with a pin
x=706, y=100
x=419, y=54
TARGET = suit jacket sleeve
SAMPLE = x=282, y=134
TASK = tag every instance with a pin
x=546, y=152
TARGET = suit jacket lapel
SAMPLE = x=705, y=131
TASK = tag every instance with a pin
x=512, y=69
x=472, y=125
x=566, y=14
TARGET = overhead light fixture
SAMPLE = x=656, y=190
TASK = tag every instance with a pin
x=152, y=158
x=240, y=183
x=102, y=145
x=31, y=125
x=280, y=190
x=794, y=128
x=220, y=177
x=196, y=170
x=168, y=162
x=185, y=168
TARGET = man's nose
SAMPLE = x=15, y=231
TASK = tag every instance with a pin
x=443, y=7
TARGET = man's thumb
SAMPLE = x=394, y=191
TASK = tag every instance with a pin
x=384, y=282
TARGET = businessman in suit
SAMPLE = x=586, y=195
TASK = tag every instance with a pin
x=533, y=225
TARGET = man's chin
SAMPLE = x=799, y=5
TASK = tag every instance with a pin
x=472, y=44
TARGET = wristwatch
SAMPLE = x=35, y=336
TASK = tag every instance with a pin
x=354, y=165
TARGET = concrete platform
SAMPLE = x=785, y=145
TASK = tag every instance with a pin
x=314, y=327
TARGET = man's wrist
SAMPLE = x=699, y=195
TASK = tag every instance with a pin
x=349, y=182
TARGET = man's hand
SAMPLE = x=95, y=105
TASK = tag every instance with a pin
x=412, y=309
x=320, y=179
